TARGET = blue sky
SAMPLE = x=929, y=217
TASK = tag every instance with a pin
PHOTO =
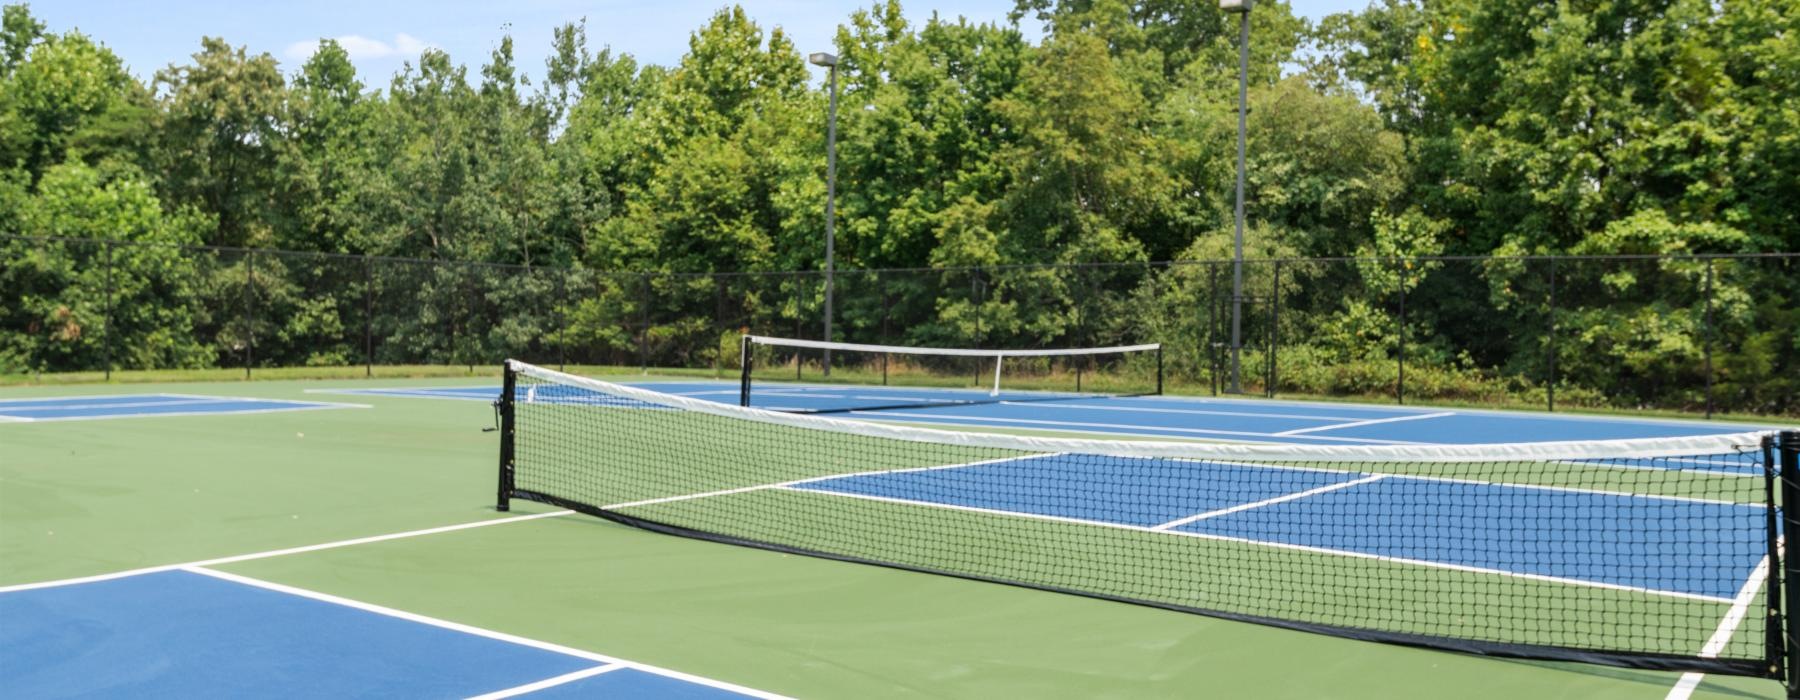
x=381, y=34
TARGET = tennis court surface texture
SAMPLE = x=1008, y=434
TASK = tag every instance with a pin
x=311, y=539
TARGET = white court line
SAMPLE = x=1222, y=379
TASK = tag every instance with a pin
x=282, y=552
x=173, y=414
x=548, y=683
x=133, y=404
x=1715, y=645
x=471, y=629
x=1268, y=501
x=1187, y=411
x=1278, y=545
x=87, y=396
x=1361, y=423
x=16, y=419
x=1127, y=426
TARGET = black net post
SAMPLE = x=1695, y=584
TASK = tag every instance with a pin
x=1788, y=443
x=1159, y=371
x=1550, y=343
x=1774, y=631
x=503, y=406
x=744, y=376
x=106, y=327
x=1706, y=337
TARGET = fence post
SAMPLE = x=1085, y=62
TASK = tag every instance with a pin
x=1274, y=330
x=106, y=328
x=718, y=320
x=1400, y=385
x=562, y=320
x=249, y=310
x=1550, y=385
x=887, y=312
x=1212, y=328
x=644, y=326
x=979, y=302
x=799, y=361
x=1706, y=338
x=368, y=316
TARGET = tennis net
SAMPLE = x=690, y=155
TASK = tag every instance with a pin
x=812, y=376
x=1648, y=553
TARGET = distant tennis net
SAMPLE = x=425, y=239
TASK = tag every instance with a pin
x=1658, y=553
x=812, y=376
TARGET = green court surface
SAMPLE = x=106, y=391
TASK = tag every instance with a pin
x=87, y=498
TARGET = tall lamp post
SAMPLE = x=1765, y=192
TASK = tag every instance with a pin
x=1241, y=8
x=829, y=61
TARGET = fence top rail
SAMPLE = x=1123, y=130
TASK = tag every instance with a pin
x=970, y=269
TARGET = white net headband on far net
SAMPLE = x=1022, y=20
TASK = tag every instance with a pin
x=1637, y=448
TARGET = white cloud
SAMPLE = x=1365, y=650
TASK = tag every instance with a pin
x=363, y=48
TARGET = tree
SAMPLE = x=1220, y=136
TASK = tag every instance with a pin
x=220, y=138
x=325, y=162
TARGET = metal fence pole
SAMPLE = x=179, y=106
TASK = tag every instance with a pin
x=1212, y=328
x=562, y=320
x=644, y=324
x=1274, y=329
x=979, y=302
x=106, y=328
x=368, y=316
x=1400, y=385
x=249, y=311
x=887, y=304
x=1550, y=384
x=719, y=323
x=1706, y=338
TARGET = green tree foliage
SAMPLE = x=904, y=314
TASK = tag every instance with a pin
x=584, y=201
x=220, y=137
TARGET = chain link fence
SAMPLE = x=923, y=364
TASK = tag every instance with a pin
x=1702, y=334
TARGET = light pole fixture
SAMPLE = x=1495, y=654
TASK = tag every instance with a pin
x=1241, y=8
x=829, y=61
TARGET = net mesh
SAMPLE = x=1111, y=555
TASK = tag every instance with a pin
x=1627, y=553
x=810, y=376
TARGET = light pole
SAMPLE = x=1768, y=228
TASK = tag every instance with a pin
x=1241, y=8
x=829, y=61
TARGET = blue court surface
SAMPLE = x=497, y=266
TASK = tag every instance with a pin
x=65, y=408
x=1217, y=419
x=1581, y=536
x=198, y=632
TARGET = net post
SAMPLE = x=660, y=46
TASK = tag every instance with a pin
x=744, y=378
x=504, y=406
x=1159, y=370
x=1774, y=629
x=1788, y=444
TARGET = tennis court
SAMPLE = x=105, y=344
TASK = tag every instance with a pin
x=329, y=552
